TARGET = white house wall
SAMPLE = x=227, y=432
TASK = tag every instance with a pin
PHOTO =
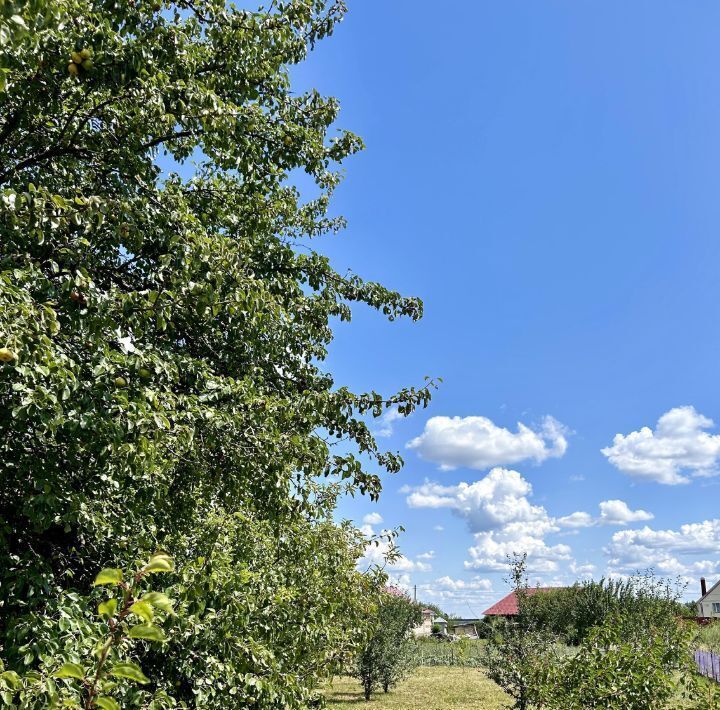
x=705, y=607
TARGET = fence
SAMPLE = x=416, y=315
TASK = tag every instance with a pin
x=708, y=664
x=449, y=654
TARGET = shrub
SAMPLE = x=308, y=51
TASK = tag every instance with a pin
x=518, y=652
x=708, y=637
x=637, y=657
x=390, y=654
x=571, y=612
x=626, y=662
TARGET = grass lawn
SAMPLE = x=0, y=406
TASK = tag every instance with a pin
x=435, y=688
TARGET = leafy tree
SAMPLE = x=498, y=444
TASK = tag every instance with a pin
x=518, y=652
x=635, y=656
x=162, y=334
x=571, y=612
x=389, y=655
x=629, y=661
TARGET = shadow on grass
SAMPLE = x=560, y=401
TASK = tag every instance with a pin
x=349, y=699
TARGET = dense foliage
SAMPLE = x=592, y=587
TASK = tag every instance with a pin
x=633, y=652
x=518, y=652
x=161, y=344
x=629, y=661
x=390, y=653
x=571, y=612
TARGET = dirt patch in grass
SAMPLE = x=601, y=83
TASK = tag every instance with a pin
x=437, y=688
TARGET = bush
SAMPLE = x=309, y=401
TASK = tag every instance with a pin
x=518, y=651
x=390, y=654
x=708, y=637
x=627, y=662
x=571, y=612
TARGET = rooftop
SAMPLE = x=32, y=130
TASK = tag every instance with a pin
x=508, y=606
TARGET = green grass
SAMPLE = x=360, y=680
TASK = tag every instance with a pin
x=437, y=688
x=465, y=652
x=708, y=637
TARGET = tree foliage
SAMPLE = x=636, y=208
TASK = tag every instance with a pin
x=518, y=652
x=633, y=649
x=162, y=334
x=570, y=612
x=629, y=661
x=389, y=654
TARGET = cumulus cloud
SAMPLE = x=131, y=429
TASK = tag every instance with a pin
x=376, y=555
x=477, y=442
x=677, y=448
x=459, y=595
x=688, y=550
x=427, y=555
x=372, y=519
x=617, y=512
x=576, y=520
x=476, y=583
x=612, y=512
x=582, y=570
x=492, y=548
x=438, y=528
x=500, y=497
x=498, y=510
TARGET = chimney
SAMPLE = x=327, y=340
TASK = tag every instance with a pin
x=703, y=588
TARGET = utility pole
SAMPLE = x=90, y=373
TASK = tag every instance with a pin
x=415, y=594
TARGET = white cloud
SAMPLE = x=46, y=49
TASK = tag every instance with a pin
x=459, y=595
x=617, y=512
x=372, y=519
x=667, y=551
x=678, y=446
x=476, y=442
x=386, y=422
x=584, y=570
x=427, y=555
x=403, y=564
x=612, y=512
x=576, y=520
x=476, y=583
x=491, y=550
x=504, y=521
x=438, y=528
x=498, y=498
x=376, y=555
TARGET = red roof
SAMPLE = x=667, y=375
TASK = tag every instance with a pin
x=508, y=606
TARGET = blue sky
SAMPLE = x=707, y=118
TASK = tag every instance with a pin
x=545, y=176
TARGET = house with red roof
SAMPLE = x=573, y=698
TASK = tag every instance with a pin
x=508, y=606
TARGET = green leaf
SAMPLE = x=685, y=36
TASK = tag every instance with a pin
x=160, y=601
x=129, y=670
x=108, y=576
x=148, y=632
x=12, y=679
x=143, y=609
x=106, y=703
x=70, y=670
x=159, y=563
x=108, y=608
